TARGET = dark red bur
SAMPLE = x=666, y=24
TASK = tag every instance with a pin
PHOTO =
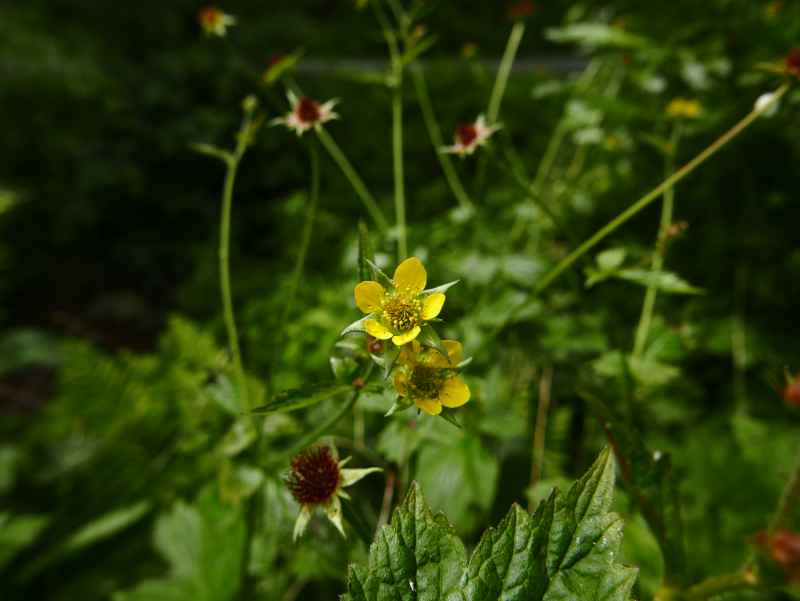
x=308, y=110
x=791, y=394
x=793, y=62
x=314, y=476
x=521, y=9
x=466, y=134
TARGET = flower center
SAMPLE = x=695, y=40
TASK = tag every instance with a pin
x=425, y=379
x=314, y=476
x=308, y=110
x=401, y=311
x=466, y=134
x=210, y=16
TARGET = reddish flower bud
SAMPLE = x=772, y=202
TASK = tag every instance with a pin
x=521, y=9
x=676, y=228
x=275, y=59
x=792, y=63
x=314, y=477
x=375, y=345
x=358, y=383
x=791, y=393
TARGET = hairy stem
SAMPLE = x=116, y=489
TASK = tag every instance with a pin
x=631, y=211
x=661, y=242
x=397, y=151
x=436, y=137
x=497, y=96
x=541, y=428
x=788, y=500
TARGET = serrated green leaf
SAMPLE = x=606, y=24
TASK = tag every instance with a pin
x=665, y=281
x=428, y=337
x=565, y=551
x=225, y=395
x=652, y=483
x=302, y=396
x=365, y=253
x=358, y=325
x=401, y=403
x=380, y=277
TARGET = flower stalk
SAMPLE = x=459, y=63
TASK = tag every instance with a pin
x=631, y=211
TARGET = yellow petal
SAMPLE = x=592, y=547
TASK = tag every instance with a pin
x=453, y=392
x=377, y=329
x=433, y=304
x=409, y=353
x=429, y=406
x=402, y=338
x=399, y=383
x=369, y=296
x=454, y=350
x=410, y=276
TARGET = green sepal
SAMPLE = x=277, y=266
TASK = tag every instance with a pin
x=439, y=289
x=358, y=326
x=401, y=403
x=652, y=482
x=355, y=517
x=365, y=253
x=390, y=354
x=380, y=360
x=450, y=416
x=427, y=337
x=380, y=277
x=302, y=396
x=457, y=369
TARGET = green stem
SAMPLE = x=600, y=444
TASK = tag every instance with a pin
x=358, y=185
x=397, y=148
x=632, y=210
x=436, y=137
x=497, y=96
x=661, y=242
x=224, y=263
x=720, y=585
x=788, y=500
x=301, y=258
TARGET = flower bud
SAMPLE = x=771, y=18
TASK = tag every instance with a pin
x=521, y=9
x=792, y=62
x=250, y=103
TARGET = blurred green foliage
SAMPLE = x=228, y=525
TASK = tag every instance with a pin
x=127, y=471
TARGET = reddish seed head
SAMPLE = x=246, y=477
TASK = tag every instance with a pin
x=314, y=476
x=785, y=548
x=209, y=16
x=358, y=384
x=793, y=62
x=308, y=110
x=375, y=345
x=466, y=134
x=521, y=9
x=791, y=394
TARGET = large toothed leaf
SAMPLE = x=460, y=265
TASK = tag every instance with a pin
x=652, y=483
x=380, y=277
x=302, y=396
x=565, y=551
x=365, y=254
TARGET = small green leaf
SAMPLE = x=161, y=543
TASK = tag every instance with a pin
x=665, y=281
x=210, y=150
x=279, y=69
x=611, y=259
x=461, y=366
x=448, y=415
x=106, y=526
x=594, y=35
x=652, y=483
x=302, y=396
x=358, y=325
x=565, y=551
x=439, y=289
x=18, y=532
x=380, y=277
x=365, y=254
x=225, y=395
x=344, y=369
x=401, y=403
x=428, y=337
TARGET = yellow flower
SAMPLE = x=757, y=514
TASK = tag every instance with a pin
x=399, y=309
x=681, y=108
x=427, y=378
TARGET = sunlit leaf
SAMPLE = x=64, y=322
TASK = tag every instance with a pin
x=302, y=396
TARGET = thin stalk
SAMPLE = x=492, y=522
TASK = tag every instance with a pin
x=224, y=263
x=436, y=137
x=631, y=211
x=497, y=96
x=541, y=428
x=788, y=500
x=301, y=258
x=661, y=241
x=397, y=128
x=350, y=173
x=546, y=164
x=324, y=427
x=738, y=337
x=397, y=151
x=347, y=168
